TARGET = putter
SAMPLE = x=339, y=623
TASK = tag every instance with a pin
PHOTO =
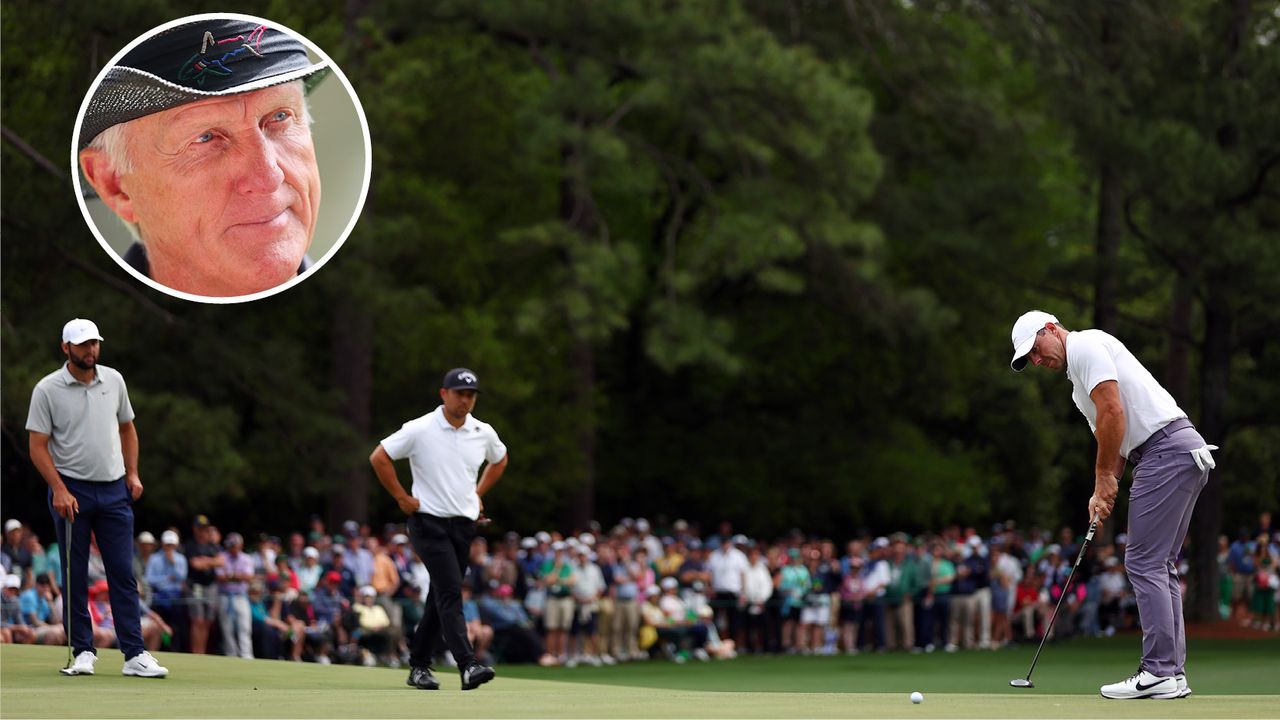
x=1026, y=682
x=66, y=599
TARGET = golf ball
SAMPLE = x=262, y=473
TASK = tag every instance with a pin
x=917, y=698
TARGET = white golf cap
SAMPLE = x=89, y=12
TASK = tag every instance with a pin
x=1024, y=335
x=12, y=524
x=399, y=539
x=168, y=537
x=146, y=538
x=80, y=330
x=12, y=581
x=311, y=552
x=669, y=583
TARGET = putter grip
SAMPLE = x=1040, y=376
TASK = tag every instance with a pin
x=1088, y=538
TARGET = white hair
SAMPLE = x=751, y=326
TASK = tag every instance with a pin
x=113, y=143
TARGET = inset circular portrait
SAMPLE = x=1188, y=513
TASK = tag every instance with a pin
x=201, y=150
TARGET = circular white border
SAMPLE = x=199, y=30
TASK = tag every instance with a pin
x=355, y=216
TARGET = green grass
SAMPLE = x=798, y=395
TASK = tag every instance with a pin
x=1230, y=679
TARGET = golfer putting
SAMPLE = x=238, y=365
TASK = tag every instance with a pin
x=1134, y=419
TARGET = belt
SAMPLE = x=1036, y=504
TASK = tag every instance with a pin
x=1173, y=426
x=455, y=520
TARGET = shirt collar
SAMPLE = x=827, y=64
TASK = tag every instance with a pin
x=69, y=379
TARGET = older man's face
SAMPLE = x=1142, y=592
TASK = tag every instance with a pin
x=225, y=191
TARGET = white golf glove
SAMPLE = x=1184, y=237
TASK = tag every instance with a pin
x=1204, y=458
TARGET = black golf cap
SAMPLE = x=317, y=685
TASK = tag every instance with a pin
x=208, y=58
x=460, y=379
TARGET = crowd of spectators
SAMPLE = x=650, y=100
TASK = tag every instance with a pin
x=630, y=593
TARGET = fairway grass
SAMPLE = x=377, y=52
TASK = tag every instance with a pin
x=1232, y=679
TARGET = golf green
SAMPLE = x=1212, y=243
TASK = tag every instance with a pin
x=1231, y=678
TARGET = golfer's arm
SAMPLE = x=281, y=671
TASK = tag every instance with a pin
x=385, y=469
x=38, y=447
x=1110, y=422
x=490, y=476
x=129, y=446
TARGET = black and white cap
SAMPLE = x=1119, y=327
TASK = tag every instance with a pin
x=460, y=379
x=211, y=57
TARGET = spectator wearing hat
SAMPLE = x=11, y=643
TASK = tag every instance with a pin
x=310, y=571
x=330, y=605
x=359, y=558
x=727, y=565
x=234, y=614
x=146, y=547
x=37, y=605
x=373, y=627
x=84, y=444
x=588, y=588
x=447, y=449
x=166, y=574
x=205, y=153
x=204, y=557
x=556, y=577
x=346, y=578
x=627, y=598
x=16, y=556
x=681, y=633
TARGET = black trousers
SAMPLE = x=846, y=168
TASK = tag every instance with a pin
x=444, y=544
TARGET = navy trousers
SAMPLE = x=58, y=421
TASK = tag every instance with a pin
x=106, y=511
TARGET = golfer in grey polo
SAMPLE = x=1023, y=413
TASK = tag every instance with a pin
x=1133, y=419
x=85, y=446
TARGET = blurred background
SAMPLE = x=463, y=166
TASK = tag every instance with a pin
x=740, y=260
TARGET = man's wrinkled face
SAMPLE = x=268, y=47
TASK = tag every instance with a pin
x=225, y=191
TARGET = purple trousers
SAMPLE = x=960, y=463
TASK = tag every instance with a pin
x=1166, y=483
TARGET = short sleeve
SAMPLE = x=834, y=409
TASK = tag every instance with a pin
x=1093, y=364
x=494, y=449
x=399, y=445
x=40, y=416
x=124, y=413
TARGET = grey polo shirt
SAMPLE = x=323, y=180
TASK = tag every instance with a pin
x=82, y=422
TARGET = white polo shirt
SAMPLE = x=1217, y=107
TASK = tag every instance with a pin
x=82, y=422
x=1093, y=357
x=445, y=461
x=728, y=567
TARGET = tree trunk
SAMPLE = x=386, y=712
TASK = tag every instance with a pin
x=353, y=349
x=1177, y=372
x=1206, y=522
x=353, y=376
x=1110, y=232
x=578, y=213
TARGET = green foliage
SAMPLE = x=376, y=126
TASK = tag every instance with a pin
x=737, y=259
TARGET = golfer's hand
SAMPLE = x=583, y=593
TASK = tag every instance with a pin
x=1099, y=508
x=135, y=486
x=66, y=504
x=408, y=504
x=1105, y=487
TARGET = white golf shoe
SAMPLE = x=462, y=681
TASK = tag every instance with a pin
x=1142, y=684
x=1184, y=690
x=143, y=665
x=82, y=665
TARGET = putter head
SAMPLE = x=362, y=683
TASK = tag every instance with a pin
x=1022, y=683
